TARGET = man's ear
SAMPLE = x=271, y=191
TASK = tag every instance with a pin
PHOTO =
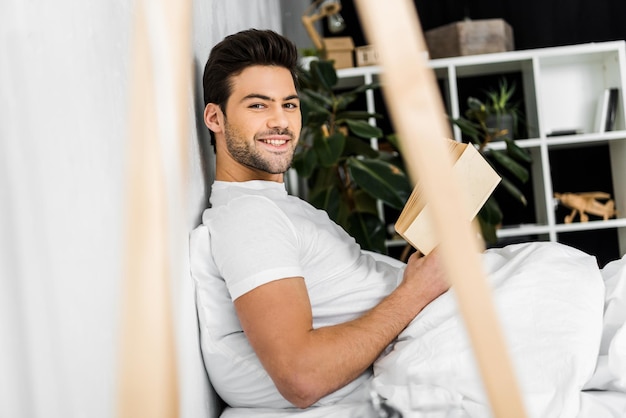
x=213, y=117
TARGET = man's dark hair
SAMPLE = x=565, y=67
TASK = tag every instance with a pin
x=240, y=51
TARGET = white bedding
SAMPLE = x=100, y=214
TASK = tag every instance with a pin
x=561, y=316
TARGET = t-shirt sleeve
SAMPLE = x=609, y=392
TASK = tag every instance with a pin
x=253, y=242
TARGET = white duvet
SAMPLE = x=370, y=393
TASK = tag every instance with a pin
x=561, y=317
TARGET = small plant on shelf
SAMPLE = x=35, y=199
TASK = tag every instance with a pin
x=493, y=118
x=344, y=175
x=496, y=118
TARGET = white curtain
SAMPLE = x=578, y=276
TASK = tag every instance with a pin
x=64, y=69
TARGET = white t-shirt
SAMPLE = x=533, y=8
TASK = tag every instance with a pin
x=256, y=233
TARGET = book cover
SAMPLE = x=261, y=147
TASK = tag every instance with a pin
x=602, y=111
x=611, y=110
x=607, y=110
x=477, y=178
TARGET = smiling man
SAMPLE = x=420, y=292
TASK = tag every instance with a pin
x=292, y=312
x=262, y=127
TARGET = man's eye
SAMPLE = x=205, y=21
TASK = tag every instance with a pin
x=257, y=106
x=291, y=105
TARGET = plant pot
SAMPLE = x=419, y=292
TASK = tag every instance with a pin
x=501, y=123
x=305, y=62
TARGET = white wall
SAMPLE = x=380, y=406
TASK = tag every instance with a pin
x=63, y=129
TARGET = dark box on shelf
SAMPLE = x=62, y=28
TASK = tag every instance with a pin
x=470, y=37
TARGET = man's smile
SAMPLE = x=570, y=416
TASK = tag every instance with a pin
x=276, y=139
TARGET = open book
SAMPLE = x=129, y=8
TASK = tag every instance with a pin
x=476, y=177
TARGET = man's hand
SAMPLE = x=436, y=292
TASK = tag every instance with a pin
x=426, y=276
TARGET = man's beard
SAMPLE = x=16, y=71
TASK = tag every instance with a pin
x=247, y=154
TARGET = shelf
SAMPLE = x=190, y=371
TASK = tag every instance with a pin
x=561, y=55
x=565, y=141
x=522, y=143
x=533, y=229
x=585, y=139
x=591, y=225
x=354, y=77
x=520, y=230
x=561, y=89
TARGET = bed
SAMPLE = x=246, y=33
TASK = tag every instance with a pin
x=563, y=320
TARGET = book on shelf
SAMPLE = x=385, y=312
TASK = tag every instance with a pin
x=477, y=179
x=607, y=110
x=609, y=123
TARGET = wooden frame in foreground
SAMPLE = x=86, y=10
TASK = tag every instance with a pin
x=147, y=374
x=416, y=108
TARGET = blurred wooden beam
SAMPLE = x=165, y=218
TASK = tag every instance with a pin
x=415, y=104
x=147, y=374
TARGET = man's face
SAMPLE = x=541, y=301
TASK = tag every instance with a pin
x=262, y=124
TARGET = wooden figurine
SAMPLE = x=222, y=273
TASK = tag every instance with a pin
x=587, y=203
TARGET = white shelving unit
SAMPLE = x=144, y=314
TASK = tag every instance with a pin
x=561, y=88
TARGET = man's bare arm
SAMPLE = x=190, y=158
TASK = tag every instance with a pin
x=307, y=364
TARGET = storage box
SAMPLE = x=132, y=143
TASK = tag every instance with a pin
x=366, y=55
x=340, y=49
x=469, y=37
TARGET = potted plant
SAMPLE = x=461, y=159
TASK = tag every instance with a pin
x=502, y=113
x=344, y=175
x=306, y=56
x=496, y=119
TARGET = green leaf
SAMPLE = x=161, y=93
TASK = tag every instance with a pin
x=488, y=231
x=311, y=118
x=343, y=100
x=313, y=111
x=357, y=146
x=517, y=153
x=305, y=111
x=368, y=230
x=394, y=141
x=499, y=99
x=392, y=158
x=327, y=196
x=380, y=179
x=328, y=199
x=321, y=179
x=491, y=212
x=305, y=79
x=510, y=165
x=329, y=148
x=364, y=202
x=513, y=190
x=363, y=129
x=365, y=87
x=475, y=104
x=489, y=217
x=320, y=99
x=305, y=162
x=314, y=121
x=324, y=72
x=343, y=214
x=357, y=114
x=470, y=129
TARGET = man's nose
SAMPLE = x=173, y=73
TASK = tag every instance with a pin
x=278, y=119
